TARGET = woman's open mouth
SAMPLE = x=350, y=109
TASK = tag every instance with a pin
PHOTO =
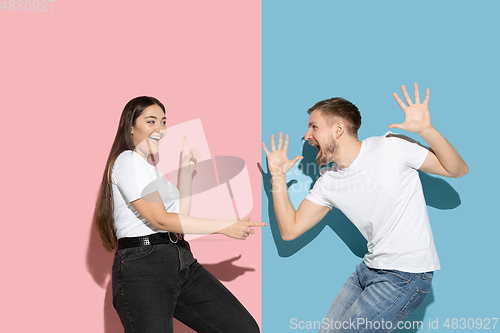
x=155, y=139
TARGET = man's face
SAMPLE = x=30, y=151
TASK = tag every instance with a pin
x=321, y=136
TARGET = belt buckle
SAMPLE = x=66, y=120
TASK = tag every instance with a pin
x=170, y=237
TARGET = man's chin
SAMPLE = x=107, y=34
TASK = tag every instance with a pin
x=321, y=161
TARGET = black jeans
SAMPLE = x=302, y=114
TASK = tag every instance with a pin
x=154, y=283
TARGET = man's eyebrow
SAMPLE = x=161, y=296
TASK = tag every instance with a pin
x=312, y=123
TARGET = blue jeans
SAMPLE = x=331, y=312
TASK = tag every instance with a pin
x=375, y=300
x=153, y=284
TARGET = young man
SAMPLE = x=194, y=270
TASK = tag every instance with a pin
x=375, y=183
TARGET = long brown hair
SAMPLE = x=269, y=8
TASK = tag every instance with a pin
x=103, y=213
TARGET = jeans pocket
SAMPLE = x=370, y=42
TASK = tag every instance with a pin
x=136, y=253
x=413, y=303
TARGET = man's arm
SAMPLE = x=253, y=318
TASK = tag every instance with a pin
x=291, y=223
x=443, y=159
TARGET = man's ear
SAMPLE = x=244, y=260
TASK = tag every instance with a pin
x=338, y=129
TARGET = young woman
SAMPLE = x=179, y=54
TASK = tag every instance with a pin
x=143, y=217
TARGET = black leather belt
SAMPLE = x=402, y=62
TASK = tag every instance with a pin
x=158, y=238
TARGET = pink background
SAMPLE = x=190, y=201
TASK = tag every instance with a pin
x=65, y=77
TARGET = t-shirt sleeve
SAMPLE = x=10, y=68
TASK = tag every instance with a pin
x=317, y=196
x=413, y=152
x=133, y=176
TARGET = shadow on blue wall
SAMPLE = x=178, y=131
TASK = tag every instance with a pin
x=438, y=194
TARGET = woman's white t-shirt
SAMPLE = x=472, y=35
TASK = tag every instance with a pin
x=381, y=194
x=133, y=178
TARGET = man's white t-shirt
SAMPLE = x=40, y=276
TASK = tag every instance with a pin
x=381, y=194
x=133, y=178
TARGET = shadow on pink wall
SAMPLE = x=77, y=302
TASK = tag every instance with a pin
x=99, y=263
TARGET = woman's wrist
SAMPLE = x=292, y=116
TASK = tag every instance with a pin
x=186, y=172
x=229, y=223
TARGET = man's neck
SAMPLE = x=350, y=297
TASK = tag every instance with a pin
x=347, y=152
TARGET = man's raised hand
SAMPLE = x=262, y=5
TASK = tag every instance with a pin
x=417, y=117
x=277, y=160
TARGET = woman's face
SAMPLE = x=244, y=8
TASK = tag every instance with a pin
x=149, y=129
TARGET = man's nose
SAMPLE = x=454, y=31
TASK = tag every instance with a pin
x=308, y=135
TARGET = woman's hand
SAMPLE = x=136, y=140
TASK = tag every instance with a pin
x=241, y=229
x=189, y=158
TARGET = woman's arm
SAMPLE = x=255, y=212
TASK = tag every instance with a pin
x=188, y=163
x=184, y=186
x=152, y=209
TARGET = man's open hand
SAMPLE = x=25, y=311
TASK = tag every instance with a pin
x=417, y=117
x=277, y=160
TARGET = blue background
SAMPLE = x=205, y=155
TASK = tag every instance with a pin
x=364, y=51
